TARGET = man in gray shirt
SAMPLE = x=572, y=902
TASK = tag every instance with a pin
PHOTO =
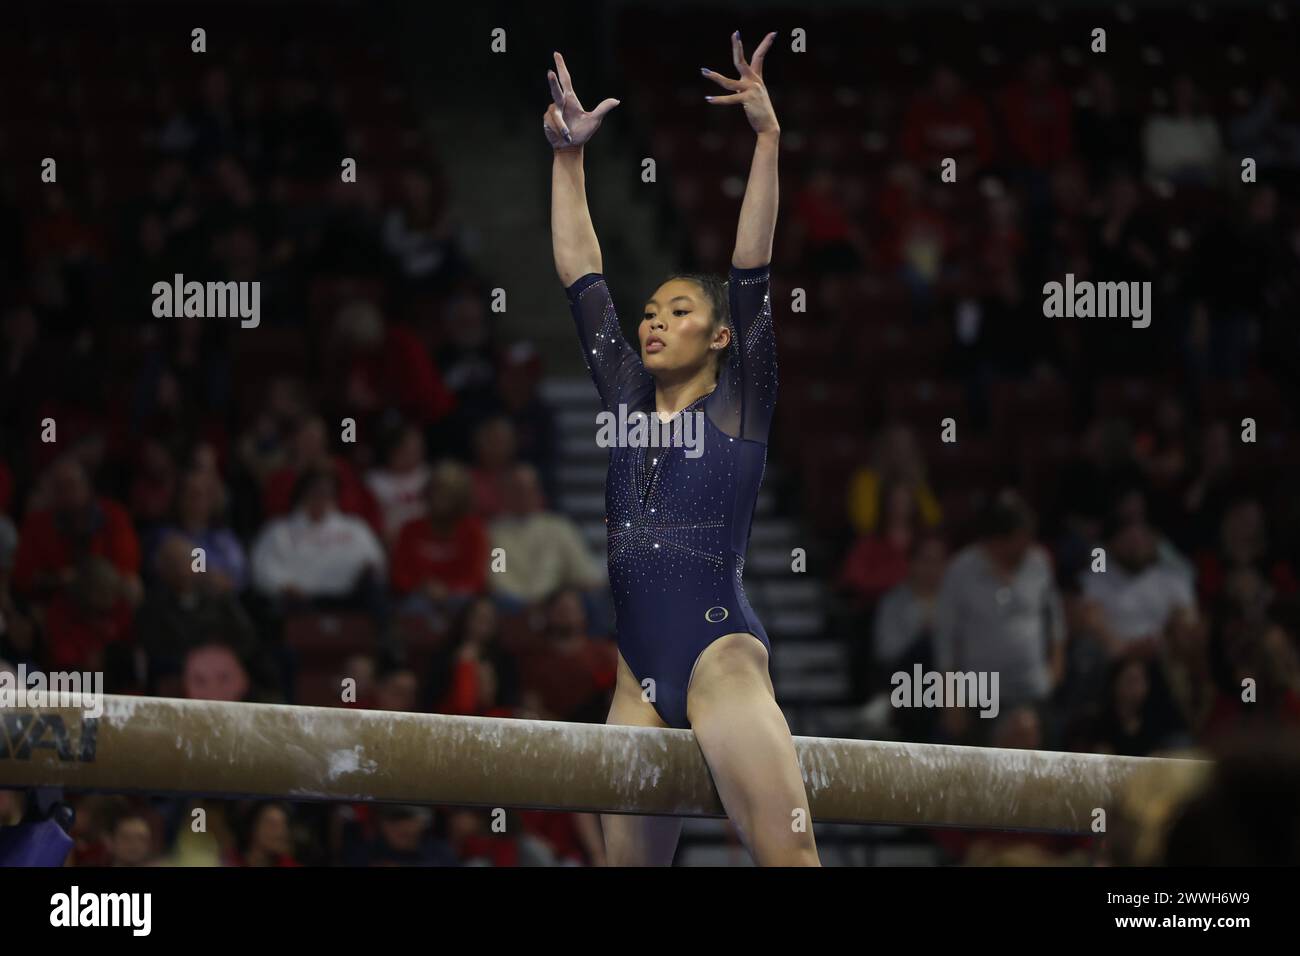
x=999, y=612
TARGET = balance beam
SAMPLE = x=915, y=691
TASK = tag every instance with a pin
x=159, y=745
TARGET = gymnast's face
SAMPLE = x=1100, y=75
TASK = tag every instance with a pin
x=678, y=332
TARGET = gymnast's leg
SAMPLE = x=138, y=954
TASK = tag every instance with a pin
x=636, y=840
x=750, y=751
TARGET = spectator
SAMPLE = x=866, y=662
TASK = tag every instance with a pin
x=894, y=455
x=878, y=562
x=311, y=452
x=1127, y=726
x=131, y=840
x=441, y=559
x=1036, y=110
x=468, y=359
x=1244, y=545
x=385, y=367
x=397, y=687
x=185, y=381
x=571, y=673
x=472, y=673
x=944, y=121
x=213, y=670
x=268, y=840
x=197, y=511
x=317, y=552
x=78, y=561
x=418, y=236
x=402, y=836
x=543, y=550
x=494, y=459
x=1136, y=594
x=533, y=418
x=829, y=240
x=1183, y=144
x=399, y=485
x=905, y=616
x=184, y=609
x=999, y=612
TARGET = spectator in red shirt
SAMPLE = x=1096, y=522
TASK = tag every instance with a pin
x=1264, y=654
x=387, y=367
x=494, y=458
x=472, y=673
x=570, y=672
x=1036, y=111
x=311, y=452
x=1244, y=547
x=441, y=560
x=880, y=561
x=78, y=562
x=268, y=840
x=946, y=122
x=830, y=239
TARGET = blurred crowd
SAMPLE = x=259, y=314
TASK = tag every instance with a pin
x=347, y=505
x=201, y=510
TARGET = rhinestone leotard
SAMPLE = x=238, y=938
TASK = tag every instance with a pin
x=678, y=527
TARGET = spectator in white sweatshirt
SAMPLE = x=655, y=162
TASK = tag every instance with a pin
x=544, y=551
x=317, y=553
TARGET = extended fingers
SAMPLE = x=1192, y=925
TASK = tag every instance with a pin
x=603, y=107
x=564, y=72
x=731, y=98
x=738, y=54
x=761, y=52
x=557, y=90
x=724, y=81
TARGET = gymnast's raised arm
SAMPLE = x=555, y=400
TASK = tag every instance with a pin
x=757, y=225
x=568, y=128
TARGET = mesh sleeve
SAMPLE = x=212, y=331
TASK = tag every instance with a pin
x=743, y=403
x=614, y=365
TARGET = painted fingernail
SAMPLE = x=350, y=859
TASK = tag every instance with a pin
x=704, y=69
x=709, y=98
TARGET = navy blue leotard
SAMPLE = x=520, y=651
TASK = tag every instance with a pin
x=678, y=527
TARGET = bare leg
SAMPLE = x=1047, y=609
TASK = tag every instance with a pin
x=637, y=840
x=750, y=751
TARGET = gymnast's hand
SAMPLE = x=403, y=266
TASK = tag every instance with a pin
x=567, y=124
x=749, y=91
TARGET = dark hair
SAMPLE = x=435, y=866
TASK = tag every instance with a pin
x=392, y=436
x=308, y=480
x=717, y=293
x=1005, y=514
x=246, y=823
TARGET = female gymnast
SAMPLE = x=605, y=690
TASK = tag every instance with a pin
x=692, y=653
